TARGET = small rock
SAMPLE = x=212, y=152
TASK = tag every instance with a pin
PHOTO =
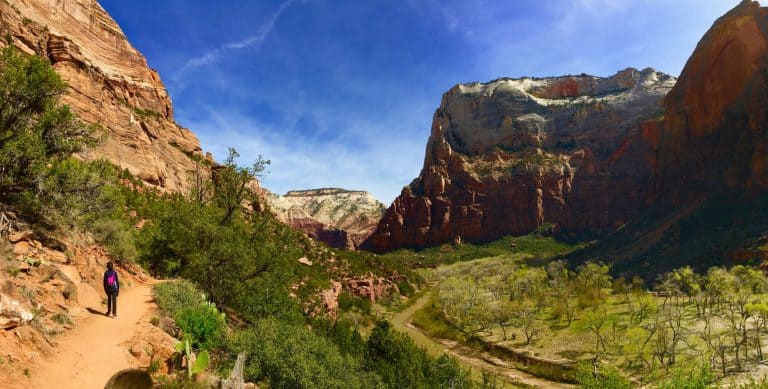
x=136, y=351
x=22, y=248
x=305, y=261
x=12, y=314
x=168, y=326
x=56, y=256
x=21, y=236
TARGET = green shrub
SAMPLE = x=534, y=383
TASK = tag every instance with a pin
x=405, y=288
x=696, y=377
x=202, y=325
x=400, y=363
x=607, y=378
x=290, y=356
x=200, y=322
x=173, y=296
x=348, y=301
x=34, y=131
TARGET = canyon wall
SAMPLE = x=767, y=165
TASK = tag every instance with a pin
x=508, y=156
x=110, y=84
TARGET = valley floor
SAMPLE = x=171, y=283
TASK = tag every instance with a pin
x=477, y=361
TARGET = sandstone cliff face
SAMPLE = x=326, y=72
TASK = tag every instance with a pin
x=507, y=156
x=339, y=217
x=109, y=84
x=714, y=133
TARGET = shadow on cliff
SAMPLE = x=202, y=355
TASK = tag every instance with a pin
x=722, y=229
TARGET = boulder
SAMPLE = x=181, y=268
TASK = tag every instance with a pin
x=21, y=236
x=12, y=313
x=305, y=261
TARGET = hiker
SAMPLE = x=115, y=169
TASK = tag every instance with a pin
x=111, y=288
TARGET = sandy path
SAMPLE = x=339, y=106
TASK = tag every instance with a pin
x=95, y=349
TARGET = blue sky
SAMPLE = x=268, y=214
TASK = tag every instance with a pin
x=340, y=93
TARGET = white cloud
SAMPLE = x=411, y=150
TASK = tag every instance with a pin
x=367, y=164
x=450, y=13
x=214, y=55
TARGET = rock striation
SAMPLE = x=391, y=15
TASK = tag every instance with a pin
x=508, y=156
x=341, y=218
x=110, y=84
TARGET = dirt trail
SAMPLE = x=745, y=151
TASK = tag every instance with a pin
x=468, y=356
x=96, y=348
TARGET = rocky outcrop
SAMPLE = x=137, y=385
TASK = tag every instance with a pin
x=109, y=84
x=13, y=313
x=508, y=156
x=341, y=218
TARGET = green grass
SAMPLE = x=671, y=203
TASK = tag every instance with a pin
x=430, y=320
x=533, y=247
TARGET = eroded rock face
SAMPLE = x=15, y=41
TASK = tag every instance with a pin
x=338, y=217
x=714, y=132
x=507, y=156
x=110, y=84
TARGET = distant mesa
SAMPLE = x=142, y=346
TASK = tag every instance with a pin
x=339, y=217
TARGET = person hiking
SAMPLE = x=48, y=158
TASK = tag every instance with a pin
x=112, y=289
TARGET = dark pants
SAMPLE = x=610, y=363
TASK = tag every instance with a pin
x=111, y=303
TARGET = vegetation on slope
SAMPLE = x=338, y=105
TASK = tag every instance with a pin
x=244, y=261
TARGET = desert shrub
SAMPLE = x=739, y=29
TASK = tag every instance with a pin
x=173, y=296
x=348, y=301
x=606, y=378
x=290, y=356
x=342, y=334
x=400, y=363
x=200, y=322
x=405, y=288
x=202, y=325
x=696, y=377
x=117, y=237
x=35, y=132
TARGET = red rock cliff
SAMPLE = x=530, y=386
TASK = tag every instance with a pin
x=109, y=84
x=507, y=156
x=716, y=121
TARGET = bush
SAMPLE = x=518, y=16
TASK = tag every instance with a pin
x=34, y=131
x=173, y=296
x=697, y=377
x=400, y=363
x=348, y=301
x=202, y=325
x=199, y=320
x=290, y=356
x=607, y=378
